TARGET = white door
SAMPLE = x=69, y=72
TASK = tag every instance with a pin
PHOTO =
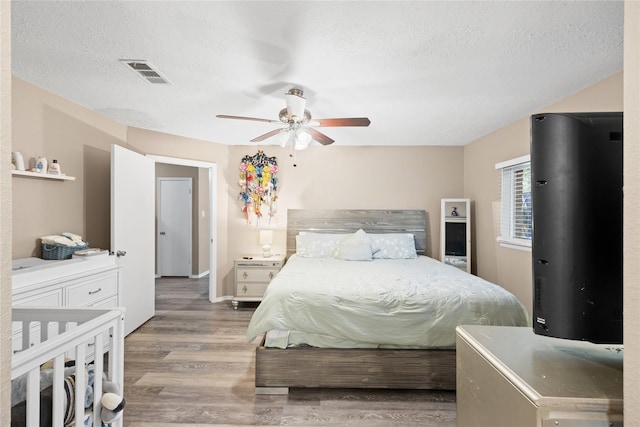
x=174, y=226
x=133, y=232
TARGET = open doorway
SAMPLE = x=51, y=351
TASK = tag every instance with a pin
x=208, y=174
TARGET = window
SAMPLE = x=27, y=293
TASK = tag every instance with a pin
x=516, y=223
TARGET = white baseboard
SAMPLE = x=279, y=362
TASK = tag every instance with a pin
x=199, y=276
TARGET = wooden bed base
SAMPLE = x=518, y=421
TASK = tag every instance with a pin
x=277, y=370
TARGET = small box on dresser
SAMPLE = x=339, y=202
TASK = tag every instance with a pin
x=252, y=275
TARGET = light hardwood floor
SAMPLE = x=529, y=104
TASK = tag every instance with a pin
x=191, y=365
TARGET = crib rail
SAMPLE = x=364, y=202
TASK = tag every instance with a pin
x=80, y=332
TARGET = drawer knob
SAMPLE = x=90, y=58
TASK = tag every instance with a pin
x=271, y=275
x=245, y=275
x=244, y=289
x=95, y=292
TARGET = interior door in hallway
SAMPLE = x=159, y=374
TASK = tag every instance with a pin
x=174, y=226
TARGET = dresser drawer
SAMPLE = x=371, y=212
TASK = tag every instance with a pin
x=245, y=274
x=89, y=292
x=107, y=303
x=51, y=298
x=251, y=289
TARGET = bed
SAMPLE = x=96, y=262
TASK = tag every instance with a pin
x=359, y=305
x=43, y=384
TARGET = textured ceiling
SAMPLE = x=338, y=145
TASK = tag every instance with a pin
x=425, y=73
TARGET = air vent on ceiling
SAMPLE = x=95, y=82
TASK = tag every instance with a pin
x=145, y=70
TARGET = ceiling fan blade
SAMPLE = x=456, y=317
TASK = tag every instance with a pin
x=255, y=119
x=354, y=121
x=266, y=135
x=319, y=136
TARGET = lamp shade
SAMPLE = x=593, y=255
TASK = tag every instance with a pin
x=266, y=237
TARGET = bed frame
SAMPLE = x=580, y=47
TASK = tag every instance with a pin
x=277, y=370
x=54, y=334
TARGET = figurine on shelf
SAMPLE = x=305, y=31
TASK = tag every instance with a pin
x=454, y=212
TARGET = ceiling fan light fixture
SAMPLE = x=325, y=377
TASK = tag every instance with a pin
x=283, y=137
x=302, y=140
x=295, y=104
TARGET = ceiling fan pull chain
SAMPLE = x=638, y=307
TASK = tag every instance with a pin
x=293, y=155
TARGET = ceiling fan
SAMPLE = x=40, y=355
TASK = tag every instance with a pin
x=300, y=128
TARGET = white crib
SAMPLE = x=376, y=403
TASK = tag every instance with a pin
x=82, y=334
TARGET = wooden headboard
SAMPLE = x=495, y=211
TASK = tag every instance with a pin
x=350, y=221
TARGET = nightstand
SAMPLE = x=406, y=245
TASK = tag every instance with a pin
x=252, y=275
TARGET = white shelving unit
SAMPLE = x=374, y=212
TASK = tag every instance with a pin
x=455, y=233
x=43, y=175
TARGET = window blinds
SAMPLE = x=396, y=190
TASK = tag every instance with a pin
x=515, y=201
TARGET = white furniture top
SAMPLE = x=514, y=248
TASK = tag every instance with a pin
x=260, y=258
x=550, y=368
x=30, y=272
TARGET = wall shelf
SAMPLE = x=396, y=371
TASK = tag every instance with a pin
x=43, y=175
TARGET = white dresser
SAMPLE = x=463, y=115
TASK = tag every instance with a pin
x=511, y=377
x=78, y=282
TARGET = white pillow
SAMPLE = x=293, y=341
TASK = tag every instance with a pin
x=318, y=245
x=356, y=247
x=393, y=246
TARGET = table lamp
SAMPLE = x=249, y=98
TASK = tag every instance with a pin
x=266, y=238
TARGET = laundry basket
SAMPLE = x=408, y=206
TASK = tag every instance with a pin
x=59, y=252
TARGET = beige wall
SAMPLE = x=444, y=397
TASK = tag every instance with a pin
x=335, y=177
x=45, y=124
x=631, y=209
x=512, y=268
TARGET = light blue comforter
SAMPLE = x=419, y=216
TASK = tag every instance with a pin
x=387, y=303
